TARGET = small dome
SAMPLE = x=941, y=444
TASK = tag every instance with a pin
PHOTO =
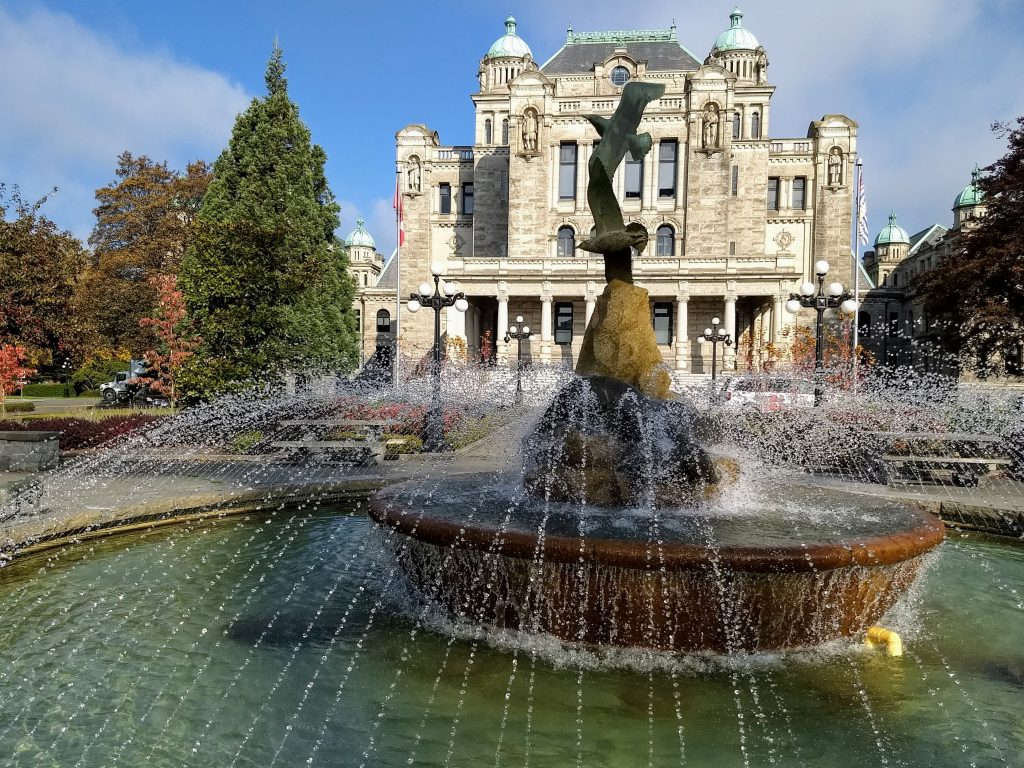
x=359, y=236
x=971, y=194
x=892, y=233
x=509, y=44
x=736, y=37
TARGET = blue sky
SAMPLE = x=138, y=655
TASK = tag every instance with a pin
x=85, y=80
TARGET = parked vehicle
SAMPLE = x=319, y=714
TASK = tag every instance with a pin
x=767, y=393
x=125, y=388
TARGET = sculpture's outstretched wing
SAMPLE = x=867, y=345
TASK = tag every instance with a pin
x=635, y=97
x=600, y=123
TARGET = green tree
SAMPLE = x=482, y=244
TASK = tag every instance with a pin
x=978, y=293
x=144, y=224
x=266, y=282
x=39, y=265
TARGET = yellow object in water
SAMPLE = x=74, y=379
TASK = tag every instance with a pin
x=879, y=636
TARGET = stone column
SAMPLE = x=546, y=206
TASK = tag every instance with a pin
x=501, y=348
x=777, y=310
x=729, y=321
x=591, y=298
x=456, y=323
x=682, y=343
x=546, y=336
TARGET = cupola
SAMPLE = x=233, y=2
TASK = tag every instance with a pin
x=892, y=233
x=359, y=237
x=736, y=38
x=738, y=51
x=505, y=59
x=970, y=203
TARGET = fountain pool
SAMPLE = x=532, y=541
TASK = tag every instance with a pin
x=289, y=638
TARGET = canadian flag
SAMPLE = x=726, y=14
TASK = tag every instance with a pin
x=397, y=205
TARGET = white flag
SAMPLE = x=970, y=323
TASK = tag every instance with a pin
x=862, y=210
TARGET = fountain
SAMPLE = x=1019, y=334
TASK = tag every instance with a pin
x=555, y=558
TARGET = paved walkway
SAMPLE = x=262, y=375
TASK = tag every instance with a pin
x=97, y=492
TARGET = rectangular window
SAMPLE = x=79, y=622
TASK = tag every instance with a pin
x=773, y=193
x=667, y=168
x=467, y=198
x=732, y=247
x=359, y=321
x=799, y=192
x=567, y=171
x=735, y=180
x=445, y=201
x=663, y=322
x=634, y=177
x=563, y=323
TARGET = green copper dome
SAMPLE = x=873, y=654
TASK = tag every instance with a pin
x=971, y=194
x=736, y=37
x=509, y=44
x=359, y=236
x=892, y=233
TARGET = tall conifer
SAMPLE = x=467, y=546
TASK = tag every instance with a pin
x=266, y=280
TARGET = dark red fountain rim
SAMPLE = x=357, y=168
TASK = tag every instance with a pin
x=923, y=533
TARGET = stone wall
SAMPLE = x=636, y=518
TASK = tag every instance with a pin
x=28, y=451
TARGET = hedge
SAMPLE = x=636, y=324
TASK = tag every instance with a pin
x=76, y=434
x=44, y=390
x=19, y=407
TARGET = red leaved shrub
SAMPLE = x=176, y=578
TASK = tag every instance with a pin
x=76, y=434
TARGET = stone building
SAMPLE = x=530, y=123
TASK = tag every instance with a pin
x=375, y=301
x=892, y=321
x=736, y=216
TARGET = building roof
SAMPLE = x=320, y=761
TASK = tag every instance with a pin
x=928, y=236
x=892, y=233
x=509, y=44
x=659, y=48
x=736, y=38
x=359, y=236
x=971, y=194
x=388, y=277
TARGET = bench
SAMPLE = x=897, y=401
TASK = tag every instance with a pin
x=371, y=449
x=956, y=457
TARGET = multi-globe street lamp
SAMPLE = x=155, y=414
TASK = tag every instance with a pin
x=820, y=299
x=716, y=336
x=440, y=298
x=519, y=332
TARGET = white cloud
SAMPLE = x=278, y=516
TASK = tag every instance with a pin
x=74, y=100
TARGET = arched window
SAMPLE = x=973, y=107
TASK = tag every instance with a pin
x=383, y=321
x=487, y=131
x=864, y=325
x=755, y=125
x=736, y=125
x=895, y=279
x=665, y=241
x=504, y=131
x=566, y=241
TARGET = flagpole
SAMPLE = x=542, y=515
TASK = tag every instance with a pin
x=398, y=271
x=856, y=269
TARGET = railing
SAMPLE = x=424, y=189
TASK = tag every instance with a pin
x=790, y=146
x=455, y=153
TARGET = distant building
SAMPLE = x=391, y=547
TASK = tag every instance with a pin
x=736, y=216
x=893, y=323
x=375, y=301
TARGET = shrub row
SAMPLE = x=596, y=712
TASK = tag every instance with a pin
x=45, y=390
x=76, y=434
x=19, y=407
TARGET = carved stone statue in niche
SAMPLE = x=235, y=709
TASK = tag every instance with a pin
x=530, y=128
x=711, y=126
x=413, y=177
x=761, y=66
x=835, y=167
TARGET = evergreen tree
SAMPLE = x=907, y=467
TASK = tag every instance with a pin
x=979, y=292
x=266, y=281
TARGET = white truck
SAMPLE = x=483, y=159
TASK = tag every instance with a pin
x=119, y=390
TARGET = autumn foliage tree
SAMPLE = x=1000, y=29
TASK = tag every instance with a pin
x=144, y=224
x=175, y=342
x=978, y=294
x=12, y=371
x=838, y=352
x=39, y=265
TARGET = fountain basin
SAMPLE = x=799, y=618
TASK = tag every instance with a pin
x=789, y=567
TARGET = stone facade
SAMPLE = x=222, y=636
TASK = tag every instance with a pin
x=29, y=451
x=736, y=217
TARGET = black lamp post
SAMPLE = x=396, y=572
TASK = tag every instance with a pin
x=433, y=439
x=519, y=332
x=716, y=336
x=820, y=299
